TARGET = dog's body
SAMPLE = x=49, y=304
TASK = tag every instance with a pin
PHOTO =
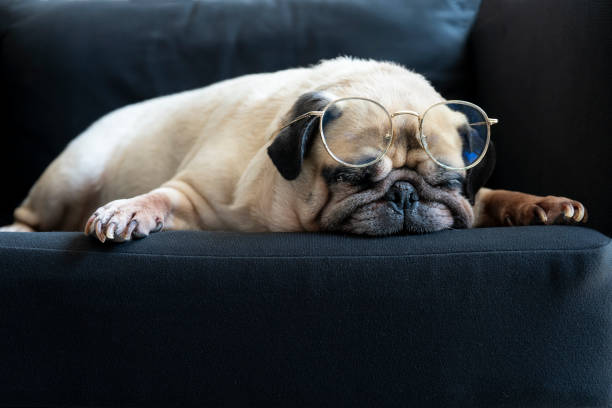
x=202, y=160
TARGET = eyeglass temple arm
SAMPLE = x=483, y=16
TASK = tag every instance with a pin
x=303, y=116
x=491, y=122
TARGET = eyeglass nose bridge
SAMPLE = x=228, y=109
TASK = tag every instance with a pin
x=406, y=112
x=416, y=115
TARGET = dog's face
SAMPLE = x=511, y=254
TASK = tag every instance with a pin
x=405, y=192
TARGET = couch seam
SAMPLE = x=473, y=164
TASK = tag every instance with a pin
x=530, y=251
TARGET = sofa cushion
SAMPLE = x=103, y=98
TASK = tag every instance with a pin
x=66, y=63
x=489, y=317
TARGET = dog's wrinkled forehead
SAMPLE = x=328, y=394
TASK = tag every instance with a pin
x=394, y=88
x=293, y=144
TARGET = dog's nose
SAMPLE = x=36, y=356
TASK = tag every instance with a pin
x=402, y=194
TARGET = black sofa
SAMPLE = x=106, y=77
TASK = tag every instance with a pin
x=516, y=316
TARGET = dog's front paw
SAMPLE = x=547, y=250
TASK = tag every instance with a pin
x=534, y=210
x=122, y=220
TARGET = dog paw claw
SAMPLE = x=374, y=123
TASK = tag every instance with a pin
x=122, y=220
x=547, y=211
x=110, y=231
x=540, y=214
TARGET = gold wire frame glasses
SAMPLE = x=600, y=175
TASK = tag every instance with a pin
x=482, y=120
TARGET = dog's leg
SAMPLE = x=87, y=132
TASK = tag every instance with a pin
x=505, y=208
x=16, y=227
x=121, y=220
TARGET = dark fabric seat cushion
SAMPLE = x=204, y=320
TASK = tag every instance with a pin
x=490, y=317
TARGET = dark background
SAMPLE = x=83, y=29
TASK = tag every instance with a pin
x=544, y=73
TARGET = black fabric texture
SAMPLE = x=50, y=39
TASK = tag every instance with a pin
x=544, y=69
x=64, y=64
x=491, y=317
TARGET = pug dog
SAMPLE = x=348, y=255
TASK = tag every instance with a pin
x=247, y=154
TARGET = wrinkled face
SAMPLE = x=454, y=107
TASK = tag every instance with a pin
x=404, y=201
x=404, y=192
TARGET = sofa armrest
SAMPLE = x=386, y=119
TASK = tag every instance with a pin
x=510, y=317
x=543, y=68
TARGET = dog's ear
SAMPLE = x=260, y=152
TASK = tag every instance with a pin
x=293, y=143
x=477, y=176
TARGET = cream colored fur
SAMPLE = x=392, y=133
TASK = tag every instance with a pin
x=207, y=144
x=202, y=154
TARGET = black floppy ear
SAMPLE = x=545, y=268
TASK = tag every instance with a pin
x=293, y=143
x=477, y=176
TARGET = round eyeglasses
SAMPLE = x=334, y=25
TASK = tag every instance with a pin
x=442, y=127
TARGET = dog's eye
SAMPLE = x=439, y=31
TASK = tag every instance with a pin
x=347, y=175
